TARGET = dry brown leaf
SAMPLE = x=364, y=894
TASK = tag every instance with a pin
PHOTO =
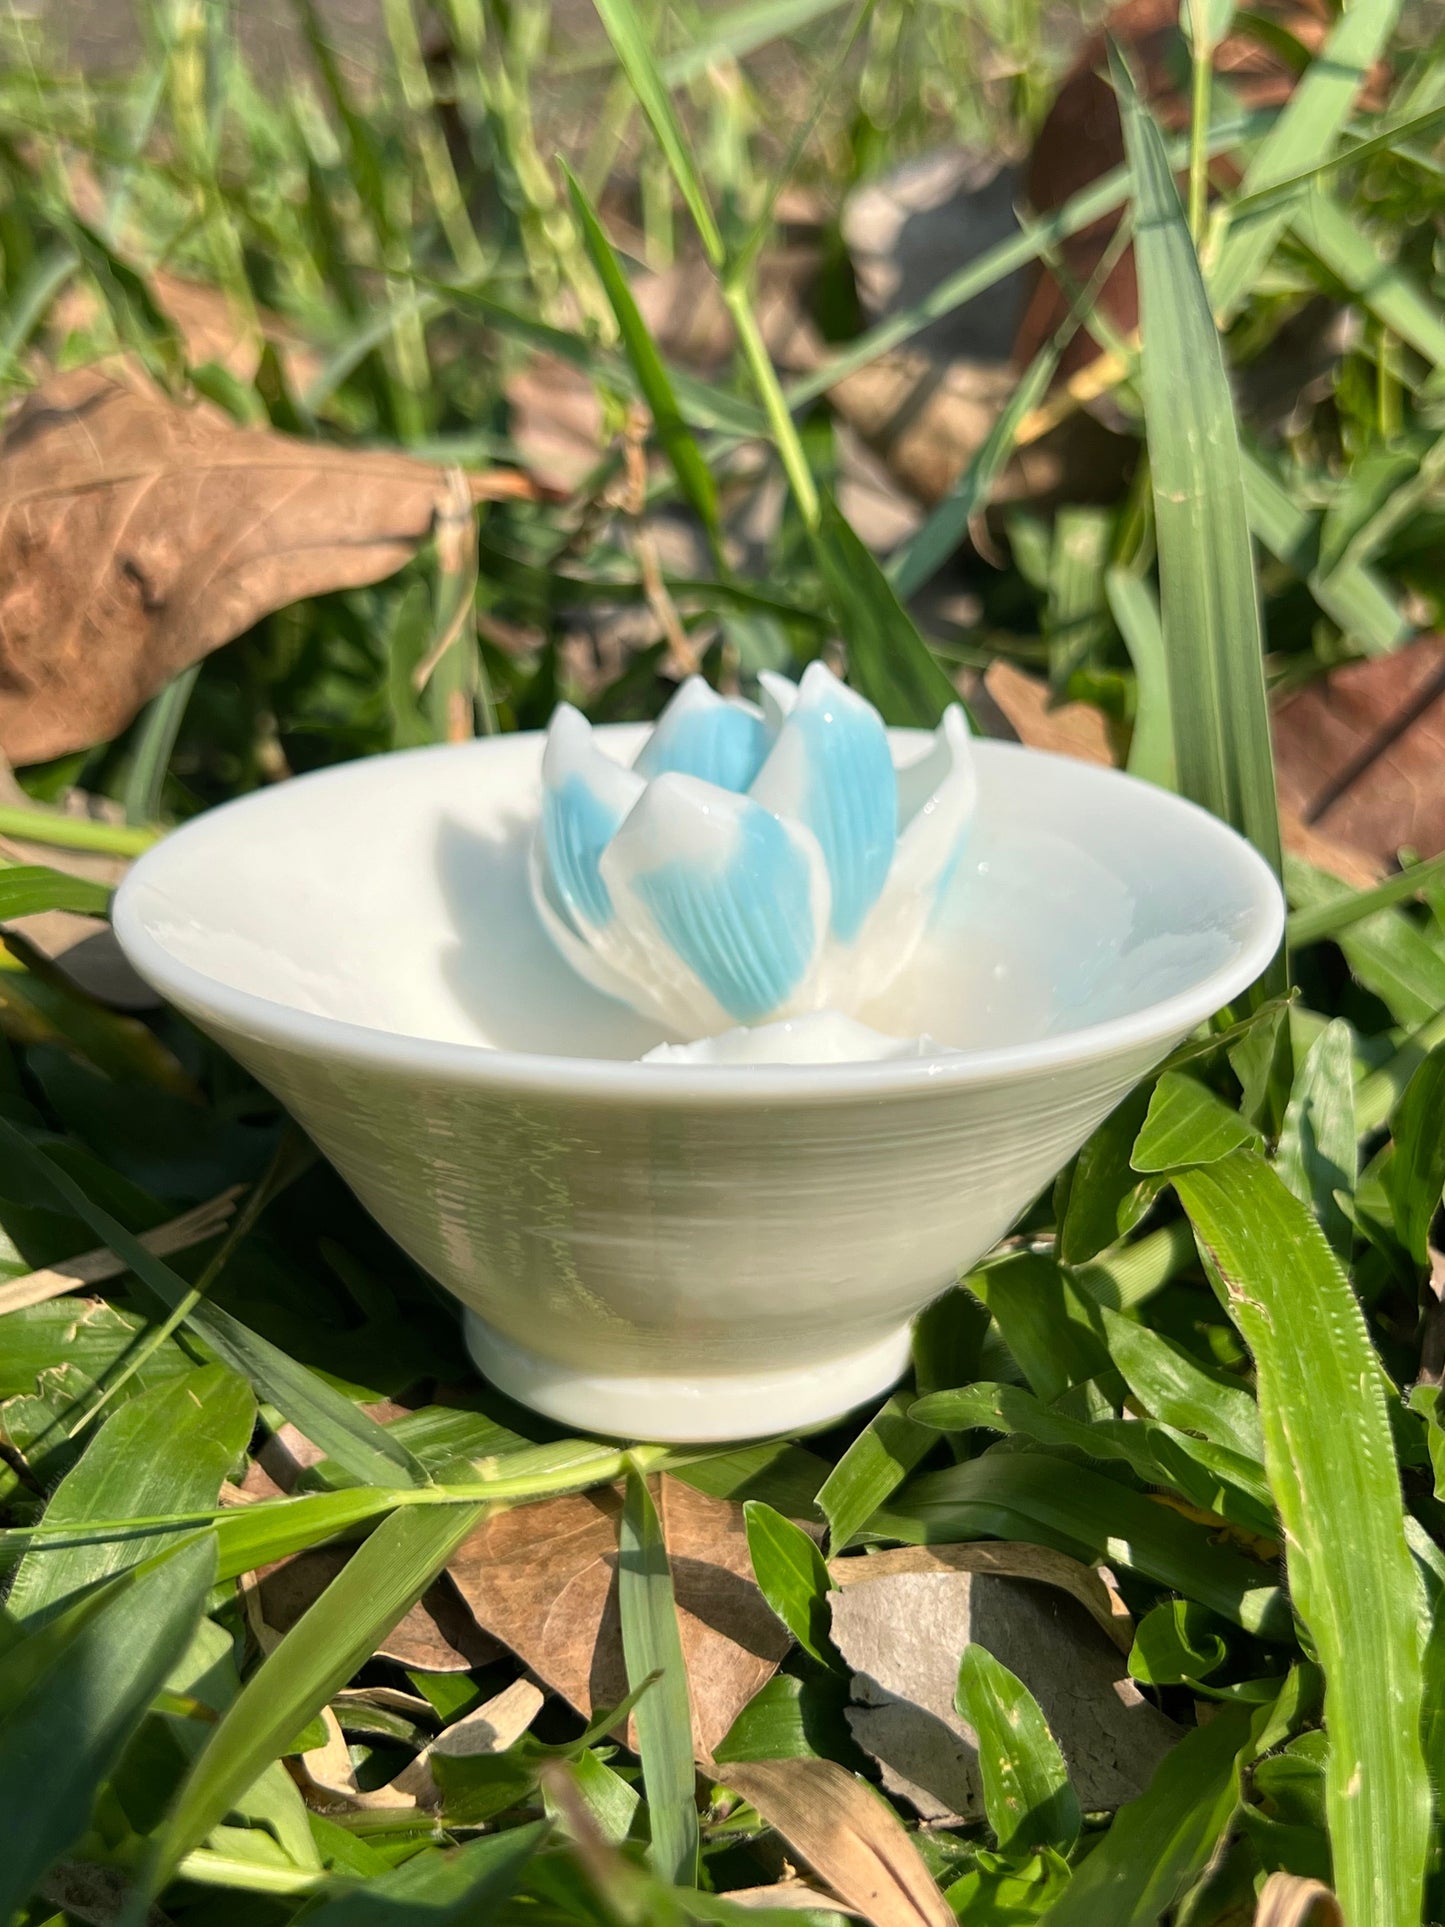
x=543, y=1579
x=1021, y=702
x=1068, y=729
x=177, y=1234
x=138, y=533
x=438, y=1635
x=1359, y=754
x=1005, y=1559
x=850, y=1838
x=903, y=1637
x=791, y=1896
x=1287, y=1900
x=492, y=1728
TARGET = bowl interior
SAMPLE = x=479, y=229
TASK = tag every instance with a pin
x=392, y=894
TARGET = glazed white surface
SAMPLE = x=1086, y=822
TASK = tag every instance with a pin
x=364, y=941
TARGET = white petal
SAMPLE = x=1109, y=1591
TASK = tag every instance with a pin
x=937, y=795
x=726, y=903
x=831, y=769
x=703, y=734
x=585, y=796
x=779, y=696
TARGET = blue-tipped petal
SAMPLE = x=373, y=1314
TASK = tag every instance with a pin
x=831, y=769
x=585, y=796
x=737, y=897
x=705, y=735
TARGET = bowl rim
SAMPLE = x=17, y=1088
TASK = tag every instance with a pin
x=311, y=1034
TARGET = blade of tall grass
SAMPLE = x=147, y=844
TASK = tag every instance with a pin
x=995, y=264
x=1210, y=606
x=1319, y=1145
x=156, y=738
x=1332, y=1469
x=1335, y=913
x=167, y=1449
x=377, y=1586
x=321, y=1412
x=652, y=1645
x=693, y=475
x=1034, y=1496
x=875, y=1465
x=27, y=889
x=887, y=657
x=1385, y=288
x=1135, y=609
x=1306, y=131
x=633, y=49
x=1416, y=1171
x=1356, y=598
x=72, y=1694
x=443, y=1889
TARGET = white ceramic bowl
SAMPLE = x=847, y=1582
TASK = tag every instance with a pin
x=704, y=1252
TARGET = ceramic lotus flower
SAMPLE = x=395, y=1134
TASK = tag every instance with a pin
x=753, y=864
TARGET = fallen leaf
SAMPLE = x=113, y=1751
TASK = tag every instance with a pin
x=791, y=1896
x=850, y=1838
x=904, y=1636
x=1021, y=702
x=438, y=1635
x=1005, y=1559
x=492, y=1728
x=543, y=1579
x=138, y=533
x=1081, y=139
x=1358, y=753
x=1067, y=729
x=1287, y=1900
x=91, y=1267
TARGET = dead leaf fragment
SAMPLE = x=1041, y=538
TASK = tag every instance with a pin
x=138, y=533
x=543, y=1579
x=852, y=1840
x=492, y=1728
x=903, y=1636
x=1067, y=729
x=1286, y=1900
x=1359, y=753
x=1005, y=1559
x=438, y=1635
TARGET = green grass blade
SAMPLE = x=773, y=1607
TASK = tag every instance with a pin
x=633, y=48
x=1164, y=1838
x=1050, y=1502
x=1304, y=134
x=26, y=889
x=1332, y=1469
x=1027, y=1794
x=1209, y=602
x=1383, y=287
x=1171, y=1384
x=452, y=1889
x=887, y=658
x=1355, y=597
x=166, y=1450
x=1339, y=912
x=326, y=1416
x=378, y=1585
x=72, y=1694
x=926, y=551
x=1385, y=950
x=875, y=1464
x=651, y=1644
x=1049, y=1327
x=792, y=1577
x=156, y=738
x=693, y=474
x=1416, y=1171
x=1319, y=1145
x=1187, y=1124
x=1135, y=609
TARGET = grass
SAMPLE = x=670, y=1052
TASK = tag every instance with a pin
x=1208, y=1360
